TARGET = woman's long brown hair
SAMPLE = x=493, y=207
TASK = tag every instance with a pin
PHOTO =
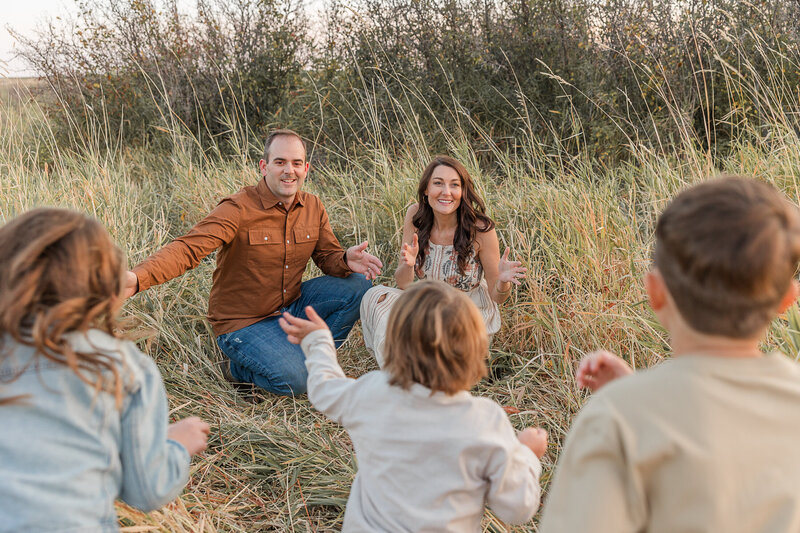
x=60, y=272
x=470, y=214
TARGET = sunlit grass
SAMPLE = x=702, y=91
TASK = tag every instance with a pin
x=583, y=230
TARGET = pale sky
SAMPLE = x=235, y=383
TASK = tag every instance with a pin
x=25, y=16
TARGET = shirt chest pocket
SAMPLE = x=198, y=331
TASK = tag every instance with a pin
x=306, y=237
x=305, y=241
x=264, y=236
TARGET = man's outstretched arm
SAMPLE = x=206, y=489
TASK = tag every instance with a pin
x=328, y=254
x=334, y=261
x=186, y=252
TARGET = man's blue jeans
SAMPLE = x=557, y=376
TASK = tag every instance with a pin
x=261, y=354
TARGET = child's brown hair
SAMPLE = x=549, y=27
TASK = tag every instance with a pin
x=435, y=337
x=727, y=250
x=60, y=272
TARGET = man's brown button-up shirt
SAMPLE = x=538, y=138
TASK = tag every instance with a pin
x=264, y=247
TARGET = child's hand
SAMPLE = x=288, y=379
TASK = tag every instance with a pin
x=600, y=367
x=296, y=328
x=535, y=439
x=191, y=432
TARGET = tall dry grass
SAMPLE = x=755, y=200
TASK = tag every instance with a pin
x=583, y=230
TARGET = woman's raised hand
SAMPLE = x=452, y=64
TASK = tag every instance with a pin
x=510, y=271
x=408, y=254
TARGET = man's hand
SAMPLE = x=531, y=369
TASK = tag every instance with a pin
x=191, y=432
x=362, y=262
x=296, y=328
x=131, y=285
x=600, y=367
x=535, y=439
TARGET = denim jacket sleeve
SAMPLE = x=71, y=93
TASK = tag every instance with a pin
x=154, y=468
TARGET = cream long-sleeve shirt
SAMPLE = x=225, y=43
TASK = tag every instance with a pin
x=426, y=462
x=696, y=444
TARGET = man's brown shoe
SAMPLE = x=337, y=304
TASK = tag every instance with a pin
x=225, y=369
x=248, y=391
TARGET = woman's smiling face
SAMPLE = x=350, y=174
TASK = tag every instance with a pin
x=444, y=190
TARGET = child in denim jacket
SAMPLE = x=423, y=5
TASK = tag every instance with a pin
x=83, y=413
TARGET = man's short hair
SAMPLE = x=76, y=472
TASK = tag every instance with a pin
x=728, y=250
x=283, y=133
x=435, y=337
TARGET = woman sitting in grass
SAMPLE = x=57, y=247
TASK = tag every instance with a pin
x=447, y=236
x=430, y=455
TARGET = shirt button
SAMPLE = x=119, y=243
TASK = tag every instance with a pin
x=308, y=236
x=280, y=203
x=284, y=290
x=287, y=242
x=287, y=266
x=266, y=238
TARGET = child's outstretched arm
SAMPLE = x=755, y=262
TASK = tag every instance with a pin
x=155, y=467
x=600, y=367
x=329, y=390
x=513, y=474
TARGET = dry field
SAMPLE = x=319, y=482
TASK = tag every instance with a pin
x=277, y=465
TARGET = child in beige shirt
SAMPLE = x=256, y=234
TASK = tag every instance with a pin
x=708, y=441
x=430, y=455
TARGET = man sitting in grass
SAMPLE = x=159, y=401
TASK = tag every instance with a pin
x=708, y=440
x=266, y=234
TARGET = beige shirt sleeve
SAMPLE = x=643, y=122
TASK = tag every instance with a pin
x=513, y=473
x=595, y=489
x=329, y=390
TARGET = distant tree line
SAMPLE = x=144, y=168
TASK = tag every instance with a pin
x=577, y=76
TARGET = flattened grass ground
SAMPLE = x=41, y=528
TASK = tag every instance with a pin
x=278, y=465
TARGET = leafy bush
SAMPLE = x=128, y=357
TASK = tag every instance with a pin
x=144, y=67
x=577, y=77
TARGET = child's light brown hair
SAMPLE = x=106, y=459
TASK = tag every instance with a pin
x=435, y=337
x=60, y=272
x=727, y=250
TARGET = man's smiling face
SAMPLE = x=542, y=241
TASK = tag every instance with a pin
x=286, y=169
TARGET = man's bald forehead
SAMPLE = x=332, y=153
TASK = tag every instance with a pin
x=284, y=133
